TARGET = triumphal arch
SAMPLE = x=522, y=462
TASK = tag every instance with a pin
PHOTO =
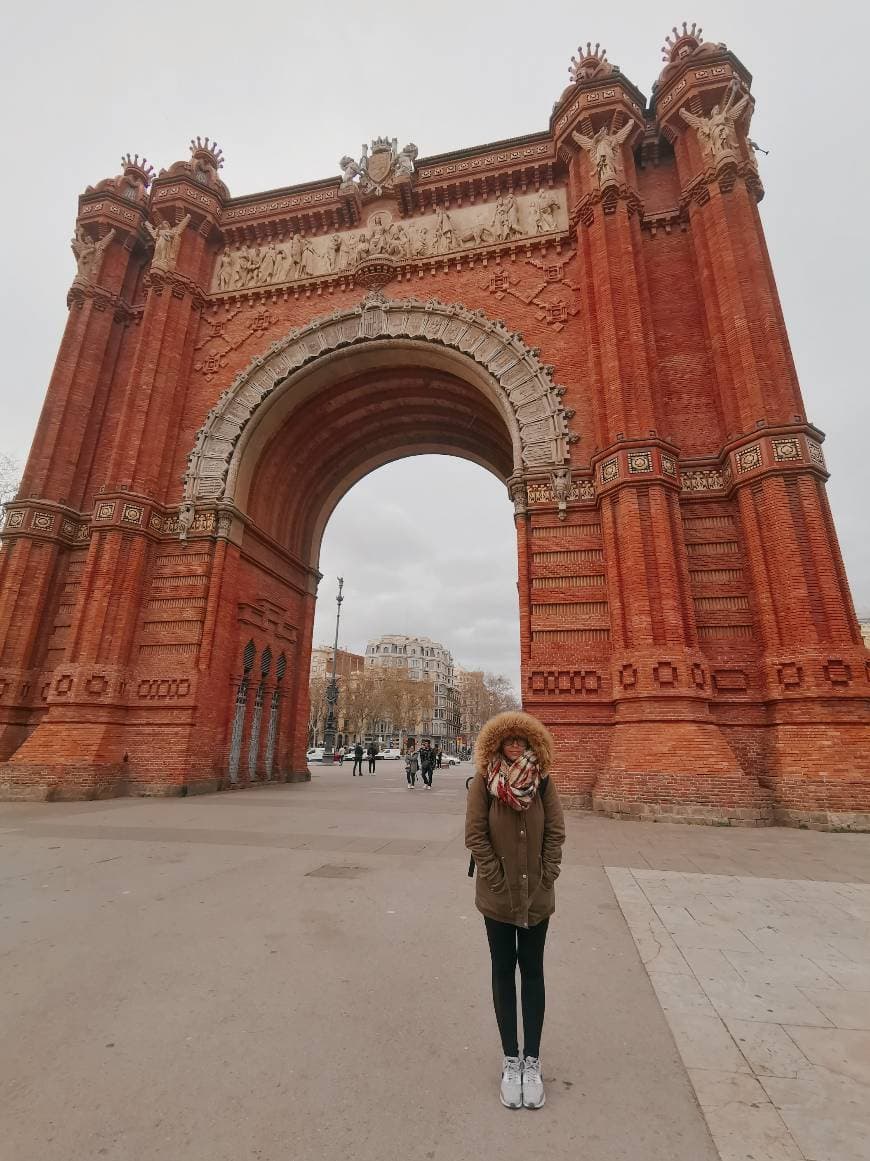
x=589, y=312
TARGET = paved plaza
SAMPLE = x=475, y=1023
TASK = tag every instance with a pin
x=298, y=971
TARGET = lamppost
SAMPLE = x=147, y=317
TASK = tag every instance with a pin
x=332, y=690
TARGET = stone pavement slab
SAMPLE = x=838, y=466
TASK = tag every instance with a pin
x=773, y=987
x=299, y=972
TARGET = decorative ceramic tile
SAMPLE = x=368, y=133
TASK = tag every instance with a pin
x=749, y=458
x=640, y=461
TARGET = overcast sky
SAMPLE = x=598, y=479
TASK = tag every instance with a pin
x=287, y=88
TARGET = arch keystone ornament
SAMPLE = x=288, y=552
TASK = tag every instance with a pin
x=685, y=622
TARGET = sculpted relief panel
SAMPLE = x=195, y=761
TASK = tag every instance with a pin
x=509, y=218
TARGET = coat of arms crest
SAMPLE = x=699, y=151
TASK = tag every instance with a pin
x=379, y=166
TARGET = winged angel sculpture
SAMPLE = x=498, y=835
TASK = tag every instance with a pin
x=603, y=150
x=716, y=132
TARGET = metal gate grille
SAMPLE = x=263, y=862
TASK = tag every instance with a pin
x=254, y=745
x=272, y=732
x=240, y=713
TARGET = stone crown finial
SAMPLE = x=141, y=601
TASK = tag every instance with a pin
x=589, y=61
x=137, y=167
x=201, y=149
x=680, y=44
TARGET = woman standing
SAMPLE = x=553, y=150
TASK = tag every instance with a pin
x=411, y=767
x=515, y=829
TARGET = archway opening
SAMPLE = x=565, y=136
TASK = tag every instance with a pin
x=429, y=634
x=429, y=433
x=325, y=407
x=336, y=436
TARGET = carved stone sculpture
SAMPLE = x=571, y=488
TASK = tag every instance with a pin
x=309, y=259
x=506, y=221
x=132, y=183
x=445, y=238
x=438, y=234
x=333, y=253
x=716, y=132
x=560, y=481
x=206, y=158
x=404, y=166
x=89, y=254
x=186, y=514
x=167, y=240
x=544, y=209
x=226, y=271
x=379, y=169
x=603, y=149
x=421, y=242
x=349, y=170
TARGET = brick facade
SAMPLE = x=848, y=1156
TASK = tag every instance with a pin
x=612, y=347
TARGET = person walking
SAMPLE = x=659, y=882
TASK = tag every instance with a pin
x=439, y=754
x=357, y=759
x=515, y=830
x=411, y=767
x=372, y=752
x=427, y=762
x=339, y=753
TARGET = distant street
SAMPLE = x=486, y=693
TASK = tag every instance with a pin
x=299, y=972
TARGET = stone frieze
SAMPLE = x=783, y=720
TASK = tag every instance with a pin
x=510, y=218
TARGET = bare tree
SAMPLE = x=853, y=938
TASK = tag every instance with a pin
x=10, y=477
x=363, y=703
x=484, y=695
x=501, y=693
x=316, y=704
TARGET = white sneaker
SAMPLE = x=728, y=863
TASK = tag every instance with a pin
x=533, y=1085
x=511, y=1091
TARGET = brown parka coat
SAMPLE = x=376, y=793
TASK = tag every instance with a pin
x=517, y=852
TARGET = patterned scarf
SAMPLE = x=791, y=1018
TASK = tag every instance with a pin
x=515, y=784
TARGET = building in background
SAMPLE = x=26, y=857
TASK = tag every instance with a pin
x=468, y=681
x=422, y=659
x=346, y=663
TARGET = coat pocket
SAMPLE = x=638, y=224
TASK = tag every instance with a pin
x=507, y=885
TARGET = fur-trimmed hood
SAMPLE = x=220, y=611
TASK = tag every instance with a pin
x=513, y=723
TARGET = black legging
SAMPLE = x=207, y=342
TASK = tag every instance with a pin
x=507, y=946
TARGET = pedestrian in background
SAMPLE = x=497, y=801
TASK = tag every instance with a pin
x=426, y=756
x=373, y=756
x=439, y=754
x=339, y=753
x=357, y=759
x=515, y=829
x=411, y=767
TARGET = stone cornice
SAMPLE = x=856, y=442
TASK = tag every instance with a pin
x=724, y=175
x=185, y=190
x=115, y=210
x=157, y=281
x=584, y=97
x=82, y=291
x=698, y=70
x=608, y=200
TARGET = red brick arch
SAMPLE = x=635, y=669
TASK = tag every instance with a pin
x=377, y=334
x=686, y=626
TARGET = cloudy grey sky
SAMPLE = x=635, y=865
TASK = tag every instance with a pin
x=288, y=87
